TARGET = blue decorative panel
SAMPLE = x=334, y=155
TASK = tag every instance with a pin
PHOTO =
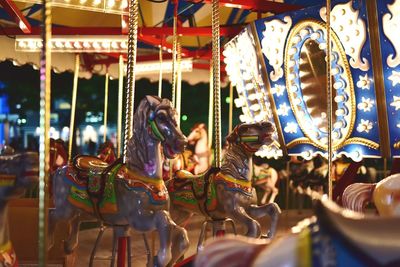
x=389, y=23
x=293, y=48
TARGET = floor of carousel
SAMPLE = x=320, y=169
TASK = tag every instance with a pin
x=139, y=258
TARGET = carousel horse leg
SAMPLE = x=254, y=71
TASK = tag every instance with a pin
x=267, y=192
x=96, y=244
x=148, y=250
x=253, y=227
x=202, y=237
x=164, y=226
x=271, y=209
x=114, y=249
x=180, y=243
x=71, y=242
x=275, y=192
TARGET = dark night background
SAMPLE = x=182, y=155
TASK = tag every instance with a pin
x=21, y=84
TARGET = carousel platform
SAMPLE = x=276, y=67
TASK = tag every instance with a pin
x=87, y=238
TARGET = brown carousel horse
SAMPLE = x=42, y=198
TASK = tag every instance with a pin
x=133, y=193
x=227, y=192
x=18, y=172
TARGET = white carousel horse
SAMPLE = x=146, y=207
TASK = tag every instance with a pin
x=199, y=140
x=384, y=194
x=265, y=177
x=334, y=237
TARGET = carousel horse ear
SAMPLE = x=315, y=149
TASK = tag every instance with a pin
x=153, y=100
x=233, y=136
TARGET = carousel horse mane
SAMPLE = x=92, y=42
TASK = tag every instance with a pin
x=137, y=144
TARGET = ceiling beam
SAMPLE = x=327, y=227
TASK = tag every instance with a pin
x=13, y=11
x=142, y=31
x=262, y=6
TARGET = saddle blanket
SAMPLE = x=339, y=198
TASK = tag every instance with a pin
x=85, y=193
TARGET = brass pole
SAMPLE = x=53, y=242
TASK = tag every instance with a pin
x=161, y=74
x=230, y=106
x=131, y=71
x=73, y=107
x=174, y=55
x=210, y=110
x=179, y=84
x=120, y=103
x=329, y=95
x=105, y=107
x=216, y=82
x=44, y=123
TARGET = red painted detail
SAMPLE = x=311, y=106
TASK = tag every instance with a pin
x=186, y=262
x=121, y=257
x=254, y=5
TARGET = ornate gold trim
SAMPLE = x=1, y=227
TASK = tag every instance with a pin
x=350, y=141
x=396, y=145
x=298, y=141
x=362, y=141
x=268, y=87
x=349, y=87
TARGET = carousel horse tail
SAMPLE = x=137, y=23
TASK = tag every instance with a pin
x=356, y=196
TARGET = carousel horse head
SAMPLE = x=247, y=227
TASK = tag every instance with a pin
x=58, y=154
x=106, y=152
x=198, y=131
x=251, y=136
x=158, y=118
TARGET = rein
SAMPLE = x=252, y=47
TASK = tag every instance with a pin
x=154, y=127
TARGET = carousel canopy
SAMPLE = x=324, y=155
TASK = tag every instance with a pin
x=98, y=30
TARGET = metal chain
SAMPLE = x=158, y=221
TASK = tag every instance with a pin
x=44, y=123
x=216, y=82
x=329, y=95
x=174, y=55
x=161, y=73
x=131, y=70
x=179, y=83
x=120, y=103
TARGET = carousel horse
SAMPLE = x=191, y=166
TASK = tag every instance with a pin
x=334, y=237
x=265, y=177
x=131, y=194
x=384, y=194
x=195, y=158
x=227, y=192
x=198, y=139
x=18, y=172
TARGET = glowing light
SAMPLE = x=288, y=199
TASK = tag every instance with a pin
x=184, y=117
x=227, y=100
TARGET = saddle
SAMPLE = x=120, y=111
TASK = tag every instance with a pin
x=92, y=172
x=364, y=235
x=85, y=164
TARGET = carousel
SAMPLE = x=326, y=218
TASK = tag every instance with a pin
x=309, y=177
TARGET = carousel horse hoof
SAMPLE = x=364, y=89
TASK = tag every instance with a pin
x=68, y=248
x=266, y=236
x=155, y=262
